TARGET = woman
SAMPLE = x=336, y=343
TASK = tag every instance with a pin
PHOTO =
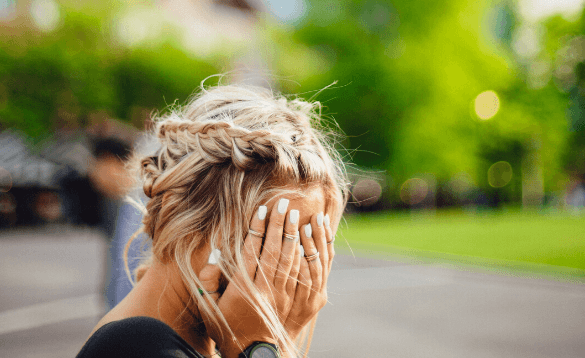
x=240, y=171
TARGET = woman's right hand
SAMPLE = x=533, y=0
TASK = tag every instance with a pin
x=274, y=274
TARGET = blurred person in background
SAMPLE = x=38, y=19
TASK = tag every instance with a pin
x=95, y=200
x=237, y=166
x=110, y=178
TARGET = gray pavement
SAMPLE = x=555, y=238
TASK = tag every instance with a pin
x=382, y=307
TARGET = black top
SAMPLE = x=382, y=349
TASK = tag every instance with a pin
x=137, y=337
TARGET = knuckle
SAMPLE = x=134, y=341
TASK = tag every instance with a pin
x=259, y=227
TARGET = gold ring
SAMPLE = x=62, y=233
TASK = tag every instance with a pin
x=291, y=237
x=312, y=257
x=255, y=233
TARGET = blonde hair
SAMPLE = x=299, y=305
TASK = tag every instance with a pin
x=231, y=149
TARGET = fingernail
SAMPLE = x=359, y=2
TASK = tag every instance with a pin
x=262, y=212
x=293, y=216
x=327, y=222
x=320, y=219
x=302, y=250
x=308, y=230
x=282, y=205
x=214, y=257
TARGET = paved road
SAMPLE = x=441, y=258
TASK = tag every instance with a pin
x=379, y=308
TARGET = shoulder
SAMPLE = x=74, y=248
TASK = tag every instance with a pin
x=136, y=337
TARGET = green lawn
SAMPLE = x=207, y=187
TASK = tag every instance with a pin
x=513, y=239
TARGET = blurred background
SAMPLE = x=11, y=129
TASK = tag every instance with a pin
x=463, y=121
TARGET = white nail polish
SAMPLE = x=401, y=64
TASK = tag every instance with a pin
x=320, y=219
x=327, y=220
x=302, y=250
x=282, y=205
x=262, y=212
x=293, y=216
x=308, y=231
x=214, y=257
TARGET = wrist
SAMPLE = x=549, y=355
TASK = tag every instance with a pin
x=259, y=349
x=235, y=346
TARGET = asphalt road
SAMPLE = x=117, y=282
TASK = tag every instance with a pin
x=49, y=302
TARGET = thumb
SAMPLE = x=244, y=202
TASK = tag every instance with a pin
x=210, y=275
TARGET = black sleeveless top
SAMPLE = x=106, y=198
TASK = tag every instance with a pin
x=137, y=337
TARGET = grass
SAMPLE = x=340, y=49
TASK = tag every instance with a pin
x=513, y=239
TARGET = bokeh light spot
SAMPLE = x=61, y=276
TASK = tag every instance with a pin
x=413, y=191
x=366, y=192
x=499, y=174
x=46, y=14
x=487, y=104
x=5, y=180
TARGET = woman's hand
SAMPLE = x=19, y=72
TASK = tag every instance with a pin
x=311, y=292
x=274, y=274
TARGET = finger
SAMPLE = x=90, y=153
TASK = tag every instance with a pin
x=290, y=241
x=292, y=283
x=253, y=241
x=315, y=264
x=273, y=241
x=209, y=277
x=330, y=242
x=304, y=283
x=302, y=293
x=319, y=239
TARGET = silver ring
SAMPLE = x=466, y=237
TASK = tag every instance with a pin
x=201, y=292
x=312, y=257
x=255, y=233
x=330, y=242
x=291, y=237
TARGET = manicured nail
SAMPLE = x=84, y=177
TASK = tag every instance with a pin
x=327, y=220
x=262, y=212
x=320, y=219
x=308, y=230
x=214, y=257
x=293, y=216
x=282, y=205
x=302, y=249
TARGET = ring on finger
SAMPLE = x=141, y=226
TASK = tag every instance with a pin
x=291, y=237
x=312, y=257
x=330, y=242
x=255, y=233
x=201, y=292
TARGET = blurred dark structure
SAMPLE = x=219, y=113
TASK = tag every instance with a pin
x=70, y=180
